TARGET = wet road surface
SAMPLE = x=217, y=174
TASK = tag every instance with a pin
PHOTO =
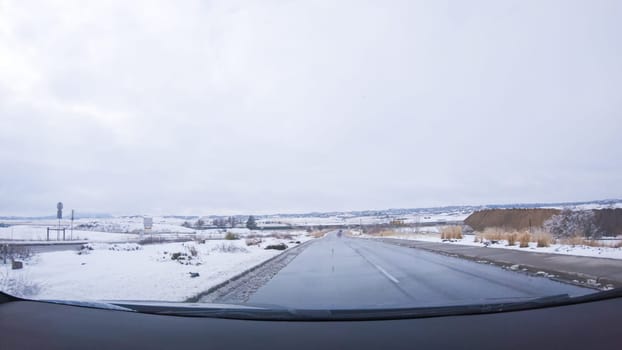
x=342, y=272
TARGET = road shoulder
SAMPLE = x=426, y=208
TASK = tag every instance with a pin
x=600, y=273
x=239, y=288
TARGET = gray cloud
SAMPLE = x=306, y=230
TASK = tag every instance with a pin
x=280, y=106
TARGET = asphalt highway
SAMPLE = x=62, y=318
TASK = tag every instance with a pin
x=341, y=272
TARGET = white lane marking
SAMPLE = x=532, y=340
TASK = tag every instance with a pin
x=379, y=268
x=384, y=272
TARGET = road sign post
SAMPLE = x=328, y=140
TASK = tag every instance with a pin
x=147, y=225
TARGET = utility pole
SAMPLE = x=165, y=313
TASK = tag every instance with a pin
x=71, y=232
x=59, y=215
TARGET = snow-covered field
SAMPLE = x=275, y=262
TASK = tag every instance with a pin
x=364, y=220
x=118, y=268
x=128, y=271
x=39, y=233
x=98, y=230
x=579, y=250
x=129, y=228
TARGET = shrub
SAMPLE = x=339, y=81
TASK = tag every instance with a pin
x=229, y=248
x=253, y=241
x=85, y=250
x=18, y=286
x=125, y=247
x=185, y=258
x=280, y=246
x=231, y=236
x=11, y=252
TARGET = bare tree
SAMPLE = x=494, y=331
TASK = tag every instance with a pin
x=199, y=224
x=232, y=221
x=219, y=222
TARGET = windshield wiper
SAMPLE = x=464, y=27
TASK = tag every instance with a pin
x=7, y=298
x=91, y=304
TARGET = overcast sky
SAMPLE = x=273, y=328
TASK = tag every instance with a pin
x=218, y=107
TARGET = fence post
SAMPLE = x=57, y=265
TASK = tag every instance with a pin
x=48, y=237
x=63, y=233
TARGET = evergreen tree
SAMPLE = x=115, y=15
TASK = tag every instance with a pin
x=251, y=224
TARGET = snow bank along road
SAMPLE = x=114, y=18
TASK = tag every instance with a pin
x=342, y=272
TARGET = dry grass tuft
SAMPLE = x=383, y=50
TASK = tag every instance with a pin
x=318, y=234
x=593, y=243
x=579, y=240
x=498, y=234
x=494, y=234
x=511, y=238
x=385, y=233
x=451, y=232
x=597, y=243
x=523, y=239
x=543, y=239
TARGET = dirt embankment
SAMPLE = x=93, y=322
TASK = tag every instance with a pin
x=511, y=219
x=609, y=220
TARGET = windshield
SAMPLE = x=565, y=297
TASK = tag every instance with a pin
x=282, y=155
